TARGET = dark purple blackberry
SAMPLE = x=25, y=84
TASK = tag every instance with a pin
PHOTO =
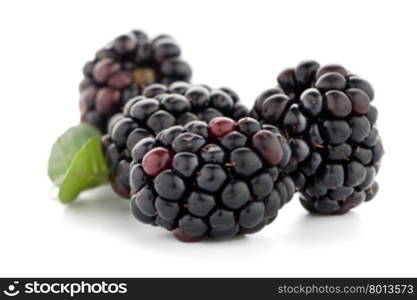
x=213, y=180
x=160, y=107
x=122, y=69
x=327, y=116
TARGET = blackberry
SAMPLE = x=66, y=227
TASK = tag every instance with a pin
x=198, y=185
x=122, y=69
x=327, y=115
x=160, y=107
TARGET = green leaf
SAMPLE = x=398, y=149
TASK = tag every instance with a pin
x=87, y=170
x=77, y=162
x=65, y=149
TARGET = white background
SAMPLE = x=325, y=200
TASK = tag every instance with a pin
x=43, y=45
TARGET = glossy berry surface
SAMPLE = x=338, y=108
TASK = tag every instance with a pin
x=161, y=107
x=328, y=117
x=211, y=188
x=122, y=69
x=219, y=127
x=156, y=161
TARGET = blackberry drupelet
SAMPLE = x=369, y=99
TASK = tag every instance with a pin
x=160, y=107
x=122, y=69
x=327, y=115
x=213, y=180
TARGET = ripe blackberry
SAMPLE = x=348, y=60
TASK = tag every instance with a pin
x=327, y=115
x=160, y=107
x=211, y=180
x=122, y=69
